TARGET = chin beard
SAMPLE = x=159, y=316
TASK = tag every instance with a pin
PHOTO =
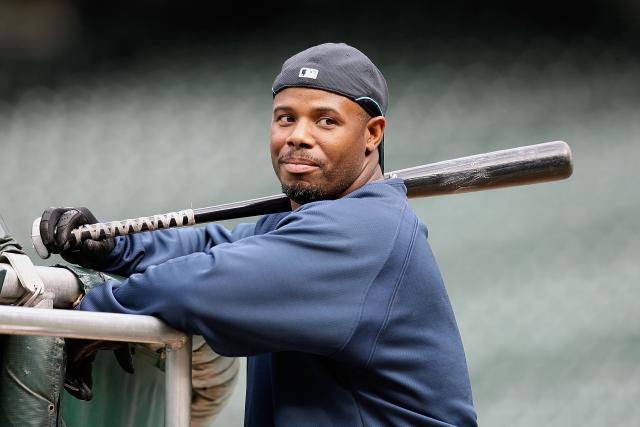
x=302, y=194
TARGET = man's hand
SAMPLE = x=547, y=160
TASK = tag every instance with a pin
x=81, y=354
x=55, y=228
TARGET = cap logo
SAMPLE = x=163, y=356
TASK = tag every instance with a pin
x=308, y=73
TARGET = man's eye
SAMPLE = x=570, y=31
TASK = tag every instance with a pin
x=284, y=118
x=327, y=121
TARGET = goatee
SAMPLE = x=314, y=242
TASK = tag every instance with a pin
x=304, y=193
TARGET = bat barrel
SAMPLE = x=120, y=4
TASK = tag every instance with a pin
x=505, y=168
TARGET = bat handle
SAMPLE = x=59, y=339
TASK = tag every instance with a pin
x=106, y=230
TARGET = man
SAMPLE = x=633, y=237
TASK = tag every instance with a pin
x=339, y=304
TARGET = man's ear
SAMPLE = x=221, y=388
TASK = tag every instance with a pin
x=374, y=133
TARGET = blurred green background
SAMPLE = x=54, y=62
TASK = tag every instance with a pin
x=145, y=107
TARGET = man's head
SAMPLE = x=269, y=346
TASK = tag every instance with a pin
x=328, y=122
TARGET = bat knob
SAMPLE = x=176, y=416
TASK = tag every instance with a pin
x=36, y=240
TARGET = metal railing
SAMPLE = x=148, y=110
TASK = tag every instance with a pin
x=115, y=327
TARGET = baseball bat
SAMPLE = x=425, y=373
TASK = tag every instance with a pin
x=505, y=168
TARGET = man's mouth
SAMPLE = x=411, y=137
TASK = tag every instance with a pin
x=298, y=164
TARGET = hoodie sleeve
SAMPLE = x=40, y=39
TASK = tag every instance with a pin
x=299, y=287
x=134, y=253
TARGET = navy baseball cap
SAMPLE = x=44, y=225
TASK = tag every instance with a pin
x=341, y=69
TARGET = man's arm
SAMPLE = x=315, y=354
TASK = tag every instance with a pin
x=299, y=287
x=135, y=253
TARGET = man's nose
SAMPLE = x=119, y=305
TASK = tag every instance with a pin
x=301, y=136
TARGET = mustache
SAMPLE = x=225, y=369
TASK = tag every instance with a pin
x=300, y=154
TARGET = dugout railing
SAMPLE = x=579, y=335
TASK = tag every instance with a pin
x=115, y=327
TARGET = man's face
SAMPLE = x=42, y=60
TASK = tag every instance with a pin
x=319, y=143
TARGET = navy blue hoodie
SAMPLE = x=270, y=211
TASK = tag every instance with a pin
x=339, y=306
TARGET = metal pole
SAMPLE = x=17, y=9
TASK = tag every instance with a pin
x=115, y=327
x=89, y=325
x=178, y=386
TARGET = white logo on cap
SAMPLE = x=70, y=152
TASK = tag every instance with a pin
x=309, y=73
